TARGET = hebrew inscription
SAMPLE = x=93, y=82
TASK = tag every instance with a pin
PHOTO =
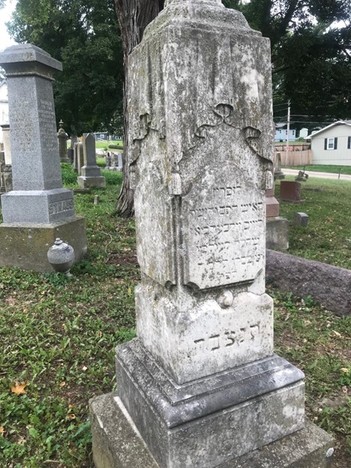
x=229, y=338
x=223, y=234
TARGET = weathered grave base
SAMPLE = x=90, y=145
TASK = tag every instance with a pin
x=37, y=206
x=117, y=443
x=277, y=233
x=208, y=421
x=26, y=246
x=88, y=182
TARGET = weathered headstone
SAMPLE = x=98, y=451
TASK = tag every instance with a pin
x=62, y=139
x=290, y=191
x=200, y=383
x=80, y=157
x=277, y=227
x=90, y=174
x=38, y=209
x=277, y=165
x=301, y=219
x=117, y=162
x=108, y=160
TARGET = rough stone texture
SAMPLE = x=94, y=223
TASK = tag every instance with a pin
x=290, y=191
x=90, y=172
x=117, y=443
x=201, y=383
x=327, y=284
x=179, y=422
x=277, y=234
x=36, y=172
x=199, y=199
x=37, y=206
x=26, y=246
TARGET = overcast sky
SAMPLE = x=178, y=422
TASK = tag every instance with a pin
x=5, y=16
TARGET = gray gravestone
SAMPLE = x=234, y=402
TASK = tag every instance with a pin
x=90, y=174
x=117, y=162
x=201, y=383
x=80, y=157
x=38, y=202
x=62, y=140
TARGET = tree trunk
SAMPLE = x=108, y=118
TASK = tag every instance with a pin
x=133, y=17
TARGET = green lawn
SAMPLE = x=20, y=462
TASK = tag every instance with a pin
x=325, y=168
x=58, y=335
x=328, y=235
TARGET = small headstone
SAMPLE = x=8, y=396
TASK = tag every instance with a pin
x=90, y=174
x=79, y=156
x=108, y=160
x=302, y=176
x=301, y=219
x=116, y=162
x=62, y=139
x=290, y=191
x=277, y=165
x=272, y=204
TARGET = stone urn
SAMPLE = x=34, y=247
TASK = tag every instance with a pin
x=61, y=256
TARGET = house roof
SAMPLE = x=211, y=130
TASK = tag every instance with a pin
x=334, y=124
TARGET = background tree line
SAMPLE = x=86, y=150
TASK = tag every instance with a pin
x=311, y=49
x=310, y=56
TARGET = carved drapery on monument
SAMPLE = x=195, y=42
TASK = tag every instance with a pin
x=201, y=382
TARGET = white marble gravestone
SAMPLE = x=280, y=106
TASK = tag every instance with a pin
x=38, y=202
x=201, y=383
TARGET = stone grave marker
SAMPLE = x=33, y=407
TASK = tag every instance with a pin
x=38, y=209
x=62, y=139
x=201, y=383
x=90, y=174
x=277, y=164
x=290, y=191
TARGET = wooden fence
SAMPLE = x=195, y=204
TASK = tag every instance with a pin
x=296, y=157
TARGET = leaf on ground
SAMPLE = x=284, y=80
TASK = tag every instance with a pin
x=19, y=388
x=2, y=430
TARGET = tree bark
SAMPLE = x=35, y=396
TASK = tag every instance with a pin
x=133, y=17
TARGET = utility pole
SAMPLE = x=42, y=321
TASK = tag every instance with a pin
x=287, y=134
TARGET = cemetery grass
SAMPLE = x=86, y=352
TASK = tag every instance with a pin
x=324, y=168
x=58, y=336
x=327, y=238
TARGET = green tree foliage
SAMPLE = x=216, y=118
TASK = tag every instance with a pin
x=84, y=35
x=311, y=49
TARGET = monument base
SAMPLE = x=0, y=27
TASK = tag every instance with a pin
x=211, y=420
x=117, y=443
x=277, y=234
x=25, y=246
x=90, y=182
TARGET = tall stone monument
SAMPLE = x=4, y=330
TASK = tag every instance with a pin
x=201, y=384
x=90, y=174
x=38, y=209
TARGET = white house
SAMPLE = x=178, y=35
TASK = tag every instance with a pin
x=281, y=134
x=332, y=144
